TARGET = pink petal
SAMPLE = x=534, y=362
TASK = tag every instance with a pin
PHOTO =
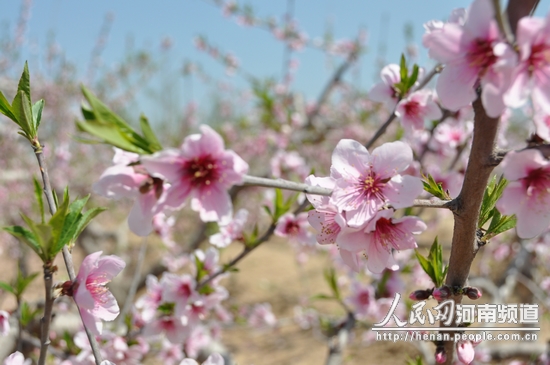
x=209, y=142
x=140, y=219
x=214, y=205
x=391, y=158
x=350, y=259
x=348, y=156
x=444, y=44
x=455, y=85
x=402, y=190
x=165, y=164
x=480, y=16
x=516, y=165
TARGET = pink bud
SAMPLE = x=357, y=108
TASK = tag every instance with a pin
x=465, y=352
x=420, y=294
x=440, y=357
x=472, y=293
x=442, y=293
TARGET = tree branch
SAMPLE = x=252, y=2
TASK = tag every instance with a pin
x=38, y=151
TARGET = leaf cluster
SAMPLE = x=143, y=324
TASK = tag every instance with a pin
x=63, y=228
x=25, y=114
x=19, y=285
x=407, y=80
x=498, y=223
x=103, y=123
x=435, y=188
x=281, y=205
x=433, y=264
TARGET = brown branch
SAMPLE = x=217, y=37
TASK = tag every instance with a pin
x=517, y=9
x=334, y=80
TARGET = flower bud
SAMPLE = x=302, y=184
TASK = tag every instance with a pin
x=472, y=293
x=465, y=352
x=420, y=294
x=440, y=357
x=442, y=293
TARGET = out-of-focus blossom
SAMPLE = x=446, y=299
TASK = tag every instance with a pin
x=288, y=162
x=17, y=358
x=295, y=227
x=527, y=193
x=233, y=231
x=532, y=74
x=471, y=53
x=4, y=323
x=214, y=359
x=122, y=180
x=384, y=92
x=95, y=301
x=362, y=299
x=262, y=316
x=416, y=108
x=201, y=169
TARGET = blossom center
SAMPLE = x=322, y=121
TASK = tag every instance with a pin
x=387, y=233
x=539, y=58
x=364, y=298
x=292, y=228
x=412, y=108
x=537, y=182
x=372, y=186
x=481, y=55
x=202, y=171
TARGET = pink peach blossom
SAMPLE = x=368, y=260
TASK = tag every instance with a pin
x=528, y=192
x=233, y=231
x=295, y=228
x=366, y=182
x=122, y=180
x=90, y=293
x=201, y=169
x=531, y=77
x=384, y=92
x=322, y=218
x=379, y=236
x=471, y=53
x=417, y=108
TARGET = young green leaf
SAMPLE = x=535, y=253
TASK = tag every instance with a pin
x=38, y=195
x=37, y=113
x=149, y=134
x=28, y=237
x=434, y=188
x=6, y=109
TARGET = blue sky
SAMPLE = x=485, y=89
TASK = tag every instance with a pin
x=76, y=25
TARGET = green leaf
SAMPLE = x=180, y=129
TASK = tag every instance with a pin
x=413, y=77
x=6, y=109
x=434, y=188
x=22, y=109
x=7, y=287
x=330, y=278
x=28, y=237
x=492, y=194
x=404, y=72
x=149, y=134
x=25, y=82
x=106, y=125
x=38, y=195
x=426, y=265
x=37, y=113
x=23, y=281
x=322, y=297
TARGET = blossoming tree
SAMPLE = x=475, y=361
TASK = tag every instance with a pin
x=366, y=210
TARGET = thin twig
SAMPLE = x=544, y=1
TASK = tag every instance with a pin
x=248, y=249
x=38, y=151
x=285, y=184
x=503, y=24
x=134, y=285
x=437, y=69
x=47, y=317
x=340, y=341
x=333, y=81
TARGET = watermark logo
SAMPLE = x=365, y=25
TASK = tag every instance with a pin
x=463, y=314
